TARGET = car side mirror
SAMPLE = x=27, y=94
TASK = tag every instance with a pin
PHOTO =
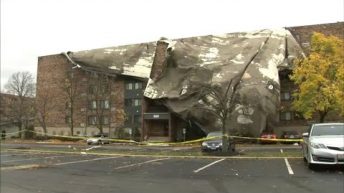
x=305, y=134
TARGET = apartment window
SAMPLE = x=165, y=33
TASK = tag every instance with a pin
x=129, y=86
x=68, y=119
x=138, y=85
x=104, y=104
x=92, y=120
x=298, y=116
x=92, y=89
x=137, y=119
x=94, y=74
x=137, y=102
x=93, y=104
x=285, y=116
x=104, y=88
x=285, y=96
x=105, y=120
x=132, y=102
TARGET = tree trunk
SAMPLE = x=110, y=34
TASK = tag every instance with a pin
x=224, y=137
x=322, y=115
x=20, y=129
x=72, y=119
x=23, y=129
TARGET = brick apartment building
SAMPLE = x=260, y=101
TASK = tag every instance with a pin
x=108, y=86
x=289, y=119
x=102, y=100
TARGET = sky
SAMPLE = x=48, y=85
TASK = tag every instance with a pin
x=33, y=28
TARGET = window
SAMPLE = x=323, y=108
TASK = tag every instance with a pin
x=105, y=120
x=298, y=116
x=137, y=102
x=129, y=86
x=104, y=88
x=92, y=120
x=285, y=116
x=104, y=104
x=137, y=119
x=68, y=119
x=285, y=96
x=132, y=102
x=92, y=89
x=138, y=85
x=93, y=104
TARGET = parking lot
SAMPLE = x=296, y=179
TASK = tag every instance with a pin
x=58, y=172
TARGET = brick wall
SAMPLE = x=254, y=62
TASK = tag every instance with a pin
x=303, y=34
x=52, y=72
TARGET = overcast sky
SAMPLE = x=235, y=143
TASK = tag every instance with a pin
x=32, y=28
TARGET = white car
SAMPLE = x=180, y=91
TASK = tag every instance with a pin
x=324, y=144
x=98, y=139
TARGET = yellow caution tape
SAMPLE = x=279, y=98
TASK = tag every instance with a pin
x=165, y=143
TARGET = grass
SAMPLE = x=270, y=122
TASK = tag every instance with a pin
x=194, y=152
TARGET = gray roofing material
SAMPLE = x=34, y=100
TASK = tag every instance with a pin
x=130, y=60
x=215, y=60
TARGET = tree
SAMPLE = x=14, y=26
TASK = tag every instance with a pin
x=320, y=77
x=70, y=87
x=220, y=103
x=100, y=95
x=21, y=84
x=44, y=105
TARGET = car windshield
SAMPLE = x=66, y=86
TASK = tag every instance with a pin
x=214, y=134
x=327, y=130
x=100, y=135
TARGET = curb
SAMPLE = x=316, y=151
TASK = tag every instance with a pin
x=154, y=156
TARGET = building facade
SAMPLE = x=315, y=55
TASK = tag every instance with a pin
x=94, y=101
x=109, y=99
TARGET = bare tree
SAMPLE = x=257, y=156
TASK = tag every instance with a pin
x=70, y=87
x=22, y=85
x=44, y=105
x=100, y=98
x=221, y=103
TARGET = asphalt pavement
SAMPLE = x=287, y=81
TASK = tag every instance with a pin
x=31, y=172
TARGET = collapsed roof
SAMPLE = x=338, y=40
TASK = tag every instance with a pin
x=211, y=60
x=129, y=60
x=195, y=62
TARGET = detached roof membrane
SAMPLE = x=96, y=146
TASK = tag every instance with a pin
x=215, y=60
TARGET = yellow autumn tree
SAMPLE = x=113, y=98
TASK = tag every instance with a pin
x=320, y=78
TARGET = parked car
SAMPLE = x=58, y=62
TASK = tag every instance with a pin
x=268, y=138
x=98, y=139
x=324, y=144
x=214, y=144
x=290, y=135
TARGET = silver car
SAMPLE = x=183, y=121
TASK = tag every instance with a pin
x=324, y=144
x=98, y=139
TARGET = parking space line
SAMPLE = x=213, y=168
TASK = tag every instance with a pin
x=19, y=160
x=82, y=161
x=141, y=163
x=290, y=170
x=20, y=167
x=204, y=167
